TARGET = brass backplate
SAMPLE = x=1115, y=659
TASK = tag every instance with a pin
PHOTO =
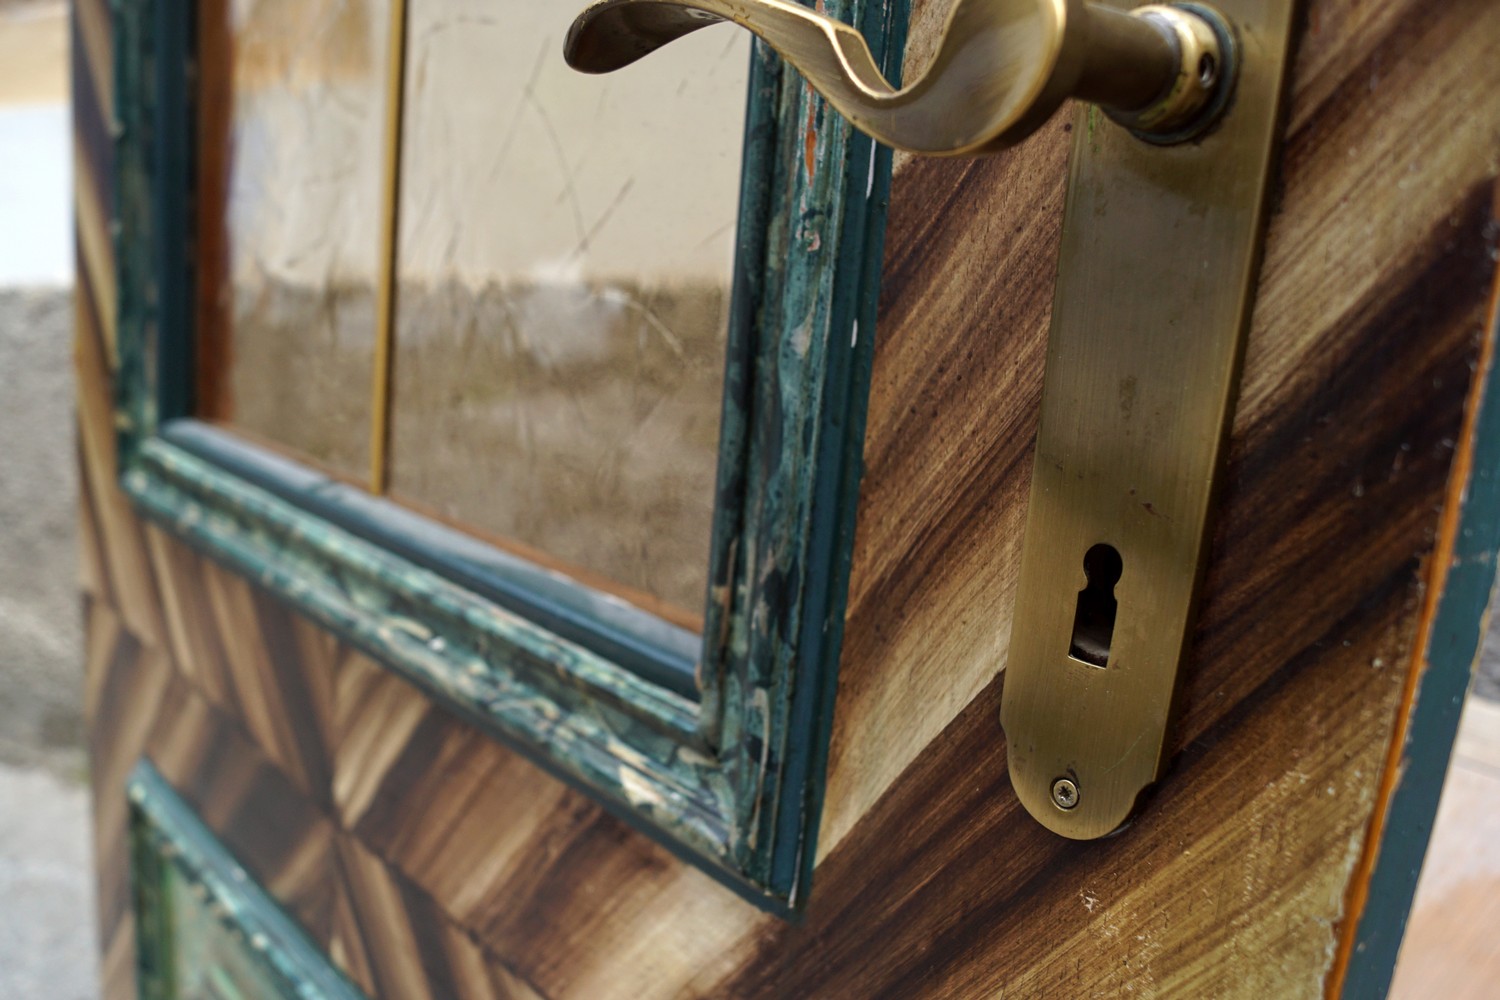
x=1156, y=279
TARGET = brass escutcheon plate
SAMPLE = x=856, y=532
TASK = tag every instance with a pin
x=1156, y=279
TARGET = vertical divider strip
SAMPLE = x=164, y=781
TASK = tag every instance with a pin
x=390, y=216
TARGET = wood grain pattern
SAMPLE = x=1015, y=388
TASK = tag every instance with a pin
x=731, y=777
x=965, y=306
x=433, y=863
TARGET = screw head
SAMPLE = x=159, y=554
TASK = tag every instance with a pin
x=1064, y=793
x=1208, y=70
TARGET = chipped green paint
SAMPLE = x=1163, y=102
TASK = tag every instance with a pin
x=200, y=916
x=732, y=782
x=607, y=729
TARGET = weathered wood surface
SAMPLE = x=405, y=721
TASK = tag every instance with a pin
x=432, y=863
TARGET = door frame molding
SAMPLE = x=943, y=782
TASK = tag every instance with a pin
x=167, y=837
x=732, y=780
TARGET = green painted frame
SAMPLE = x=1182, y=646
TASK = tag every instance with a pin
x=168, y=841
x=732, y=779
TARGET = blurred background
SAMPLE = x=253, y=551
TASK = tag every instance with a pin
x=47, y=946
x=46, y=940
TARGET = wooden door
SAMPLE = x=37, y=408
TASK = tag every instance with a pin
x=398, y=845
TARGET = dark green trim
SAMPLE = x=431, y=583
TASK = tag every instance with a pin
x=167, y=838
x=650, y=647
x=1452, y=647
x=135, y=232
x=173, y=28
x=847, y=293
x=732, y=779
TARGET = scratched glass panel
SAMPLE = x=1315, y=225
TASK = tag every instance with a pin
x=566, y=253
x=290, y=258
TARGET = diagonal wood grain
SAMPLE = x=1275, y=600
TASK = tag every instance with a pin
x=281, y=687
x=396, y=941
x=267, y=822
x=432, y=862
x=192, y=632
x=124, y=562
x=123, y=688
x=520, y=859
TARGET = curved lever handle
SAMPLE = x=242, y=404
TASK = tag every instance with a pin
x=1002, y=67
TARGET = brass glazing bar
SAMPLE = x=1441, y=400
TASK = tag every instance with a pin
x=390, y=217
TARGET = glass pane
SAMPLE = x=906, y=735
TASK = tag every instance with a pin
x=565, y=260
x=209, y=961
x=291, y=139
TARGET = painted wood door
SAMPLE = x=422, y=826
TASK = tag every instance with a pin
x=421, y=857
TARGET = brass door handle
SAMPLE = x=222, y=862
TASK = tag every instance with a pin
x=1002, y=67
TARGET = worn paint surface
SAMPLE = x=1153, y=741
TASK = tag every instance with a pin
x=427, y=859
x=173, y=853
x=733, y=782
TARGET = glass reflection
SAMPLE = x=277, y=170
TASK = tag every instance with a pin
x=565, y=260
x=290, y=148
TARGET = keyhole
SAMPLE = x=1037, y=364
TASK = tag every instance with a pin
x=1094, y=621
